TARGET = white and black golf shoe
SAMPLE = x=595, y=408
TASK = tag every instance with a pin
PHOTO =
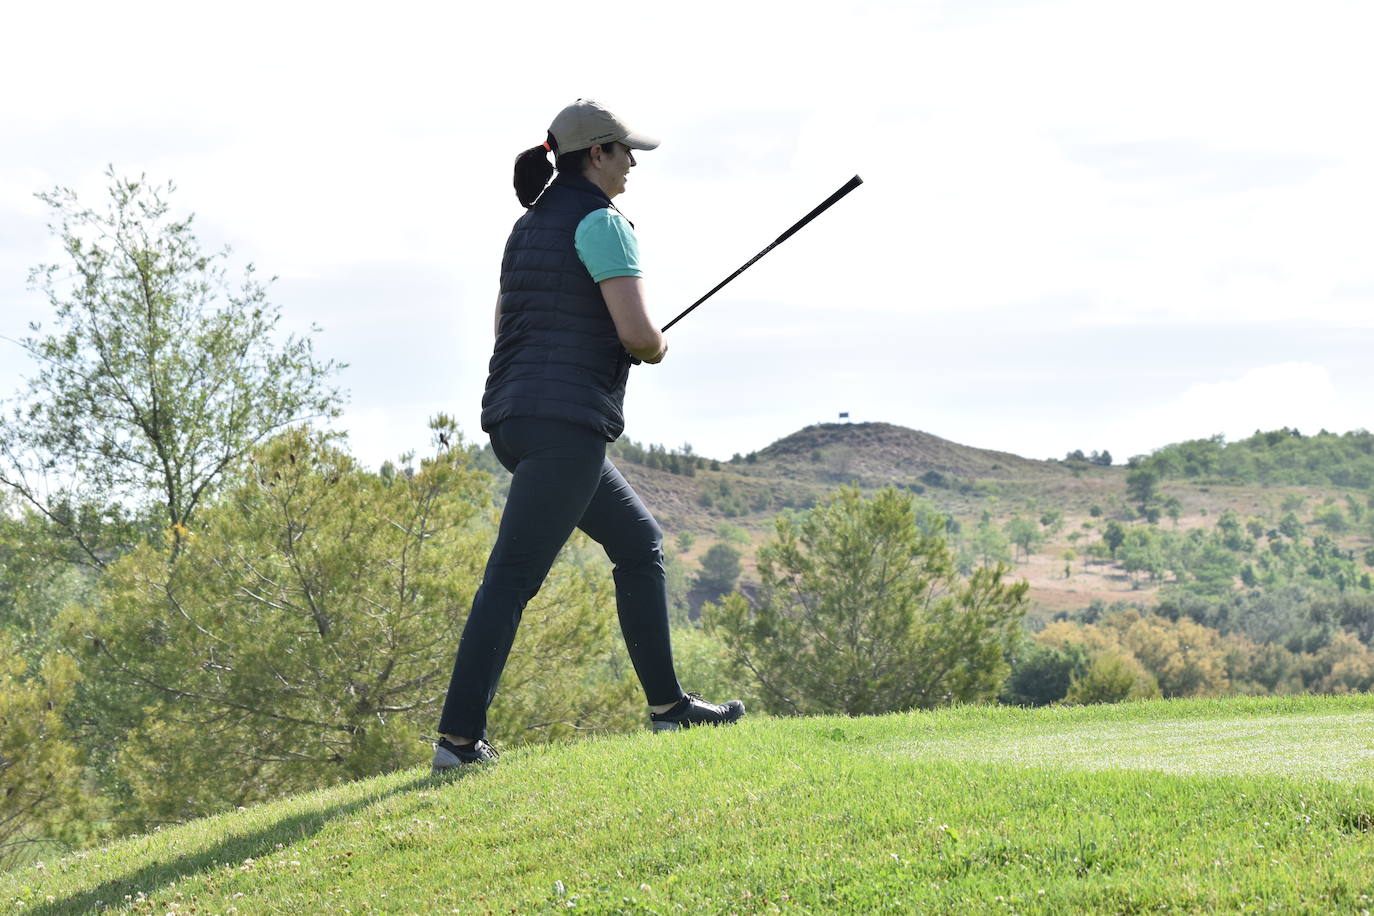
x=449, y=756
x=692, y=710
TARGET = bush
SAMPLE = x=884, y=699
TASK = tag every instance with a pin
x=860, y=611
x=1041, y=675
x=720, y=569
x=1112, y=678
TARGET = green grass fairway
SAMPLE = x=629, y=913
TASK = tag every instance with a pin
x=1235, y=805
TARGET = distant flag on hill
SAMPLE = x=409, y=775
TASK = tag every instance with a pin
x=844, y=415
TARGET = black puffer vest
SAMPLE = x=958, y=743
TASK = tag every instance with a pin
x=557, y=355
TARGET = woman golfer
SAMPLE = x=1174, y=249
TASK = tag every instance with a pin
x=570, y=316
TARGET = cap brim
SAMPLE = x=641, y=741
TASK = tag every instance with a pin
x=640, y=141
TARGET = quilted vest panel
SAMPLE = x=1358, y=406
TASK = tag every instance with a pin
x=557, y=354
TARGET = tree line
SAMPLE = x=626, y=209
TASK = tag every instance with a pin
x=1283, y=456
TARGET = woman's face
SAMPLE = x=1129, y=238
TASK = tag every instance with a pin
x=610, y=166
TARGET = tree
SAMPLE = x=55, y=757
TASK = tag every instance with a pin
x=41, y=797
x=1142, y=550
x=861, y=611
x=158, y=377
x=1024, y=534
x=1141, y=484
x=305, y=634
x=1186, y=658
x=1114, y=534
x=990, y=543
x=1041, y=674
x=1173, y=508
x=1111, y=678
x=720, y=569
x=1052, y=520
x=1346, y=665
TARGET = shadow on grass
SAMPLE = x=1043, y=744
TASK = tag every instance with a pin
x=230, y=850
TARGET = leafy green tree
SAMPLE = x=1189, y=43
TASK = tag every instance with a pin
x=1052, y=520
x=990, y=544
x=1142, y=550
x=1112, y=677
x=160, y=374
x=685, y=540
x=1174, y=509
x=1114, y=535
x=306, y=631
x=1041, y=674
x=1024, y=534
x=1141, y=484
x=1332, y=518
x=860, y=611
x=1290, y=526
x=1346, y=665
x=41, y=796
x=1213, y=568
x=1186, y=658
x=720, y=569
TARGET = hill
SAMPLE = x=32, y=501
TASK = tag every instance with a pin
x=877, y=454
x=1186, y=807
x=1073, y=500
x=798, y=469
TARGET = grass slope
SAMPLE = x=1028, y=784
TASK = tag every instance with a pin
x=1234, y=805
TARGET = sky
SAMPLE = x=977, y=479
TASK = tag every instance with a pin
x=1083, y=225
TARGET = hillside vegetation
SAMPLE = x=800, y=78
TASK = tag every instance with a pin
x=1172, y=807
x=1324, y=481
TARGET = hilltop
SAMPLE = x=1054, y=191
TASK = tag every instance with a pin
x=877, y=454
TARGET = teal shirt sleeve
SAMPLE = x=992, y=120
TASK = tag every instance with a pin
x=607, y=246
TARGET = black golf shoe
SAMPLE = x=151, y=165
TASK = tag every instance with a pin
x=449, y=756
x=692, y=710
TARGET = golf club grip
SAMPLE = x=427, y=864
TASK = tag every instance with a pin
x=824, y=205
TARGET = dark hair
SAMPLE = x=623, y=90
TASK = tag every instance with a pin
x=533, y=169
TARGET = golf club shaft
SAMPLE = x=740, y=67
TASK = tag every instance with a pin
x=825, y=205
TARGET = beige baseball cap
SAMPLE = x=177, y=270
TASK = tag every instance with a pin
x=585, y=123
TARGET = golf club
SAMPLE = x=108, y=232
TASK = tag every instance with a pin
x=825, y=205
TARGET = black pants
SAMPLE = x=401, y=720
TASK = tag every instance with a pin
x=562, y=480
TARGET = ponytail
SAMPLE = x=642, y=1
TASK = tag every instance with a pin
x=532, y=171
